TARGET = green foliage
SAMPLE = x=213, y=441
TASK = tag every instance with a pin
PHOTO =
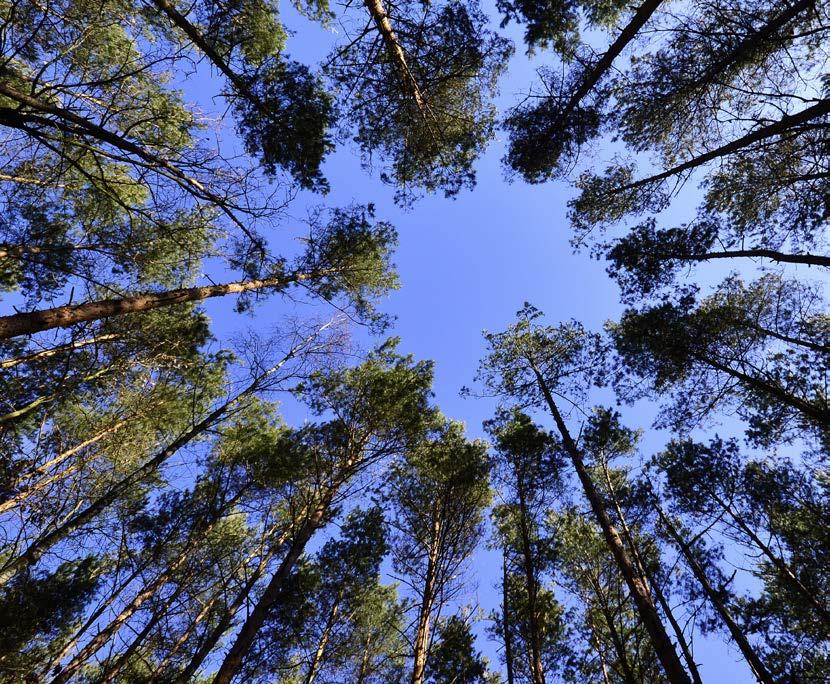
x=37, y=612
x=454, y=657
x=555, y=24
x=287, y=95
x=426, y=141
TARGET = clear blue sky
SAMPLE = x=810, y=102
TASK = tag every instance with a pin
x=467, y=265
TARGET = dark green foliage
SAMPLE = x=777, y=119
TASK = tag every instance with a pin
x=287, y=96
x=555, y=24
x=454, y=657
x=38, y=610
x=427, y=119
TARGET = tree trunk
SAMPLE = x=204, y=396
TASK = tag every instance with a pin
x=753, y=660
x=419, y=655
x=245, y=638
x=44, y=482
x=537, y=672
x=396, y=53
x=654, y=586
x=324, y=640
x=759, y=253
x=646, y=609
x=816, y=413
x=54, y=663
x=208, y=644
x=777, y=562
x=751, y=42
x=629, y=33
x=616, y=639
x=785, y=124
x=505, y=611
x=41, y=545
x=112, y=671
x=364, y=663
x=46, y=353
x=195, y=535
x=28, y=323
x=596, y=644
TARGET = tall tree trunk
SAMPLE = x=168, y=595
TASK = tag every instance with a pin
x=180, y=21
x=819, y=414
x=786, y=571
x=112, y=671
x=654, y=586
x=54, y=663
x=224, y=623
x=195, y=535
x=505, y=612
x=758, y=253
x=786, y=124
x=752, y=41
x=646, y=609
x=245, y=638
x=384, y=25
x=41, y=545
x=28, y=323
x=419, y=655
x=44, y=482
x=629, y=33
x=598, y=646
x=40, y=401
x=47, y=353
x=317, y=659
x=537, y=672
x=617, y=641
x=364, y=663
x=752, y=658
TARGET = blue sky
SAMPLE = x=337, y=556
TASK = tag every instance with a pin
x=467, y=265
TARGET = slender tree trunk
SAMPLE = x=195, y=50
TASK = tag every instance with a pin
x=505, y=610
x=324, y=640
x=212, y=639
x=753, y=660
x=245, y=638
x=646, y=609
x=40, y=401
x=41, y=545
x=419, y=655
x=195, y=535
x=818, y=414
x=629, y=33
x=112, y=671
x=776, y=561
x=785, y=124
x=596, y=644
x=199, y=41
x=28, y=323
x=616, y=638
x=807, y=344
x=39, y=485
x=654, y=586
x=47, y=353
x=364, y=663
x=55, y=662
x=751, y=42
x=536, y=670
x=393, y=46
